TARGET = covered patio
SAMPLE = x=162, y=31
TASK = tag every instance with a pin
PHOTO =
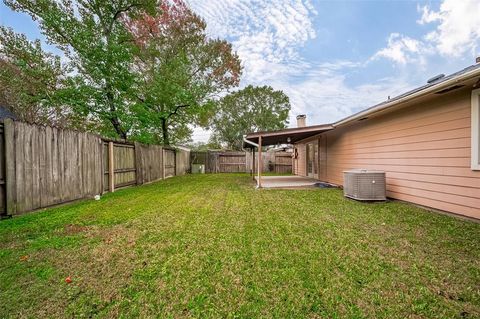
x=257, y=140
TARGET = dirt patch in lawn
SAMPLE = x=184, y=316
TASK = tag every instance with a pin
x=72, y=229
x=99, y=271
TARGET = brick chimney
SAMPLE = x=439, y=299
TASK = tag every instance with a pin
x=301, y=120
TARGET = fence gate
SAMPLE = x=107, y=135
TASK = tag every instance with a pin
x=124, y=167
x=169, y=156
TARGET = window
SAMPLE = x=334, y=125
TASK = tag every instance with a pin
x=476, y=129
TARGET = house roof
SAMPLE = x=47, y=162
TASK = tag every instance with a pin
x=5, y=113
x=439, y=86
x=436, y=86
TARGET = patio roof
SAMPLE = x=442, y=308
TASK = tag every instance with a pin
x=286, y=136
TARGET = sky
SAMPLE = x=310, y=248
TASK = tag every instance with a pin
x=333, y=58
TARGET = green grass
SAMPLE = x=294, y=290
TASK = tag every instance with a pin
x=213, y=246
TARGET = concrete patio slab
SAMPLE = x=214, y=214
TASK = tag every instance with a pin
x=287, y=181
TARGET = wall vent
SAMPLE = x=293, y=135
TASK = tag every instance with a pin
x=364, y=185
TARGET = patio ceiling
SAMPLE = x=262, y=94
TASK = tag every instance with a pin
x=286, y=136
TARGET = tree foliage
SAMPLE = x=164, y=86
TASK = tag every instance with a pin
x=92, y=35
x=142, y=70
x=180, y=70
x=204, y=146
x=31, y=80
x=248, y=110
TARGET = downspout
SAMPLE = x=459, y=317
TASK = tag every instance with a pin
x=257, y=146
x=252, y=173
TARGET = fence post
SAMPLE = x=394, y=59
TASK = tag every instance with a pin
x=163, y=163
x=138, y=163
x=175, y=163
x=111, y=169
x=207, y=162
x=246, y=166
x=10, y=187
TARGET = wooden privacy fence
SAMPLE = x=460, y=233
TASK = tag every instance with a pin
x=2, y=171
x=283, y=163
x=241, y=162
x=43, y=166
x=232, y=162
x=47, y=166
x=169, y=157
x=221, y=162
x=150, y=159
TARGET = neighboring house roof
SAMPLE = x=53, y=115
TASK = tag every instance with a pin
x=6, y=114
x=438, y=85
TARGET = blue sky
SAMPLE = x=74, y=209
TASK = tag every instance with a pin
x=334, y=58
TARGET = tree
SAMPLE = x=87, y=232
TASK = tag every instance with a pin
x=181, y=70
x=92, y=35
x=248, y=110
x=31, y=80
x=204, y=146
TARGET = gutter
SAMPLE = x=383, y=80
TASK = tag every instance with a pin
x=426, y=91
x=249, y=142
x=257, y=146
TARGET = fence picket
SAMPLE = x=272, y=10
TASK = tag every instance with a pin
x=45, y=166
x=241, y=162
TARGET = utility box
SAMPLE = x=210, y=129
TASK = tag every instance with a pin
x=364, y=185
x=198, y=168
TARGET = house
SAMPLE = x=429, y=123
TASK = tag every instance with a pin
x=426, y=140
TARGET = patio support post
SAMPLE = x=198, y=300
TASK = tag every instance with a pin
x=259, y=162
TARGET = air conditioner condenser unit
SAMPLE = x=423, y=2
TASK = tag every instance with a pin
x=364, y=185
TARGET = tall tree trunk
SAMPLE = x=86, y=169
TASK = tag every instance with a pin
x=166, y=140
x=113, y=117
x=118, y=128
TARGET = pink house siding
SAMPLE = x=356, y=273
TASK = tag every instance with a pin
x=424, y=149
x=300, y=161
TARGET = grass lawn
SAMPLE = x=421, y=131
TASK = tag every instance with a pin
x=213, y=246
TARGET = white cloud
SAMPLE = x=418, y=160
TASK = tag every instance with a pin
x=200, y=135
x=427, y=15
x=400, y=49
x=457, y=32
x=325, y=96
x=458, y=29
x=268, y=36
